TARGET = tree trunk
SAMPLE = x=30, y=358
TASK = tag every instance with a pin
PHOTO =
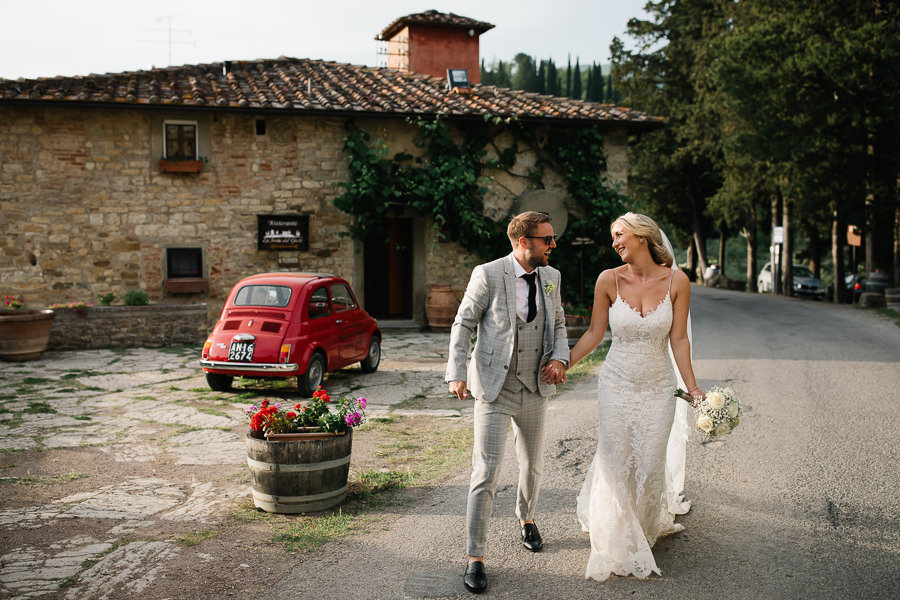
x=691, y=261
x=749, y=233
x=699, y=240
x=722, y=252
x=837, y=256
x=815, y=250
x=897, y=245
x=787, y=252
x=776, y=220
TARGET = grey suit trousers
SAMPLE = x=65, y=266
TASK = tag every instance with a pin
x=520, y=403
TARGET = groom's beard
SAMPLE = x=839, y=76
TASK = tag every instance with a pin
x=538, y=260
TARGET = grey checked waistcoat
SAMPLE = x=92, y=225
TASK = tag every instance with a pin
x=526, y=358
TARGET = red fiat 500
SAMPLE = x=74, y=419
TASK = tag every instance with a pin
x=287, y=324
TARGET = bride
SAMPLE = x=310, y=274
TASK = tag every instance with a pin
x=633, y=487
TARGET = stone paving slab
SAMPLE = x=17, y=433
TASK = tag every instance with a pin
x=145, y=407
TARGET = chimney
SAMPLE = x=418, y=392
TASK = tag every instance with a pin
x=430, y=43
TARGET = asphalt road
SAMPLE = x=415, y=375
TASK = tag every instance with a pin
x=800, y=502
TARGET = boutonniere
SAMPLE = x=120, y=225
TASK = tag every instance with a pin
x=549, y=287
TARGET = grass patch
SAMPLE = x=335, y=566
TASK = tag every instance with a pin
x=308, y=534
x=30, y=479
x=40, y=408
x=890, y=314
x=194, y=538
x=211, y=411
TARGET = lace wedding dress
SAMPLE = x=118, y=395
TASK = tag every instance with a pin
x=630, y=496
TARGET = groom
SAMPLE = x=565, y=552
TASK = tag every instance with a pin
x=513, y=306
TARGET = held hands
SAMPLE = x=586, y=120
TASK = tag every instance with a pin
x=554, y=372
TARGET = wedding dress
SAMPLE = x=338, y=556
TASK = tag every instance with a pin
x=631, y=495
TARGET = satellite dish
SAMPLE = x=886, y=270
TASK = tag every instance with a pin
x=545, y=201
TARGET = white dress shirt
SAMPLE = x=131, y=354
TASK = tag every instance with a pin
x=522, y=290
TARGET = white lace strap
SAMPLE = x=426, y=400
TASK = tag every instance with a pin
x=616, y=272
x=671, y=277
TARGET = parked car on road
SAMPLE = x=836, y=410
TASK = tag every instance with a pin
x=855, y=285
x=805, y=283
x=280, y=325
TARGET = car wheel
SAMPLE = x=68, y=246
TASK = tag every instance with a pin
x=312, y=379
x=370, y=363
x=219, y=383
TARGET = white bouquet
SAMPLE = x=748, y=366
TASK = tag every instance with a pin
x=718, y=411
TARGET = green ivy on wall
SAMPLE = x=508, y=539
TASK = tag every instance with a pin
x=448, y=182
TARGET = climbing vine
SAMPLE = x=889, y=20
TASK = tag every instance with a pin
x=448, y=183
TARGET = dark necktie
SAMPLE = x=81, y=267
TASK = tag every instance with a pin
x=532, y=296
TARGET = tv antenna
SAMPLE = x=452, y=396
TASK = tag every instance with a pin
x=169, y=30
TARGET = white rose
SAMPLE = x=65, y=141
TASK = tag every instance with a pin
x=715, y=399
x=722, y=429
x=705, y=423
x=733, y=409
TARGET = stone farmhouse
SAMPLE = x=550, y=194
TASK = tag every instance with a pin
x=179, y=181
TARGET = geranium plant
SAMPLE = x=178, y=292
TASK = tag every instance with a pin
x=79, y=308
x=13, y=303
x=319, y=413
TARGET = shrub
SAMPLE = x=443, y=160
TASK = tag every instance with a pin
x=136, y=298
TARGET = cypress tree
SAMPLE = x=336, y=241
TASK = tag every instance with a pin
x=569, y=78
x=552, y=78
x=542, y=78
x=576, y=81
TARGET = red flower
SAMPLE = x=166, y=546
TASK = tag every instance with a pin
x=264, y=403
x=291, y=415
x=256, y=422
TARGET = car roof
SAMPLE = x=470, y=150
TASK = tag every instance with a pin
x=288, y=278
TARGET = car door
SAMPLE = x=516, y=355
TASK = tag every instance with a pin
x=347, y=320
x=320, y=327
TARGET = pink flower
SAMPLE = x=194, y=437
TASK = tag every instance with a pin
x=362, y=402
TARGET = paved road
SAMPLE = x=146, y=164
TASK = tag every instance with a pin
x=800, y=502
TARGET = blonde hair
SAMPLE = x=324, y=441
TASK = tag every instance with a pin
x=524, y=224
x=646, y=228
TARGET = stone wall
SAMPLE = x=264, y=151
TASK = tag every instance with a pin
x=85, y=210
x=151, y=326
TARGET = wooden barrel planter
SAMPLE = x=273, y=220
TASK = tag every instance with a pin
x=24, y=333
x=440, y=307
x=306, y=473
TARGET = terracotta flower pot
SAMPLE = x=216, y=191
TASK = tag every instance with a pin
x=24, y=333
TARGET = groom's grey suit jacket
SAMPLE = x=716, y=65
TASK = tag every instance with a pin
x=488, y=310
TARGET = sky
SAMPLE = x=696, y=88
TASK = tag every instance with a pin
x=46, y=38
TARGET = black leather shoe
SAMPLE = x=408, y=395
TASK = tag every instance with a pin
x=531, y=538
x=475, y=579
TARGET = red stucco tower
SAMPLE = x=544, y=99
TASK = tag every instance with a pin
x=432, y=42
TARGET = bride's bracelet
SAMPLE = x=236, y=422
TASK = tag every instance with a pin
x=696, y=387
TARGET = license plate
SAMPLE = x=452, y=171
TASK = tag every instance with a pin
x=240, y=352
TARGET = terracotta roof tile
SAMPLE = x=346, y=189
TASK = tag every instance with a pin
x=433, y=18
x=304, y=85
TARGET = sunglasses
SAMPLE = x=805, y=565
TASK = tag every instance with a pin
x=548, y=239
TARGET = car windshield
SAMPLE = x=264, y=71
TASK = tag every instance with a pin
x=263, y=295
x=802, y=272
